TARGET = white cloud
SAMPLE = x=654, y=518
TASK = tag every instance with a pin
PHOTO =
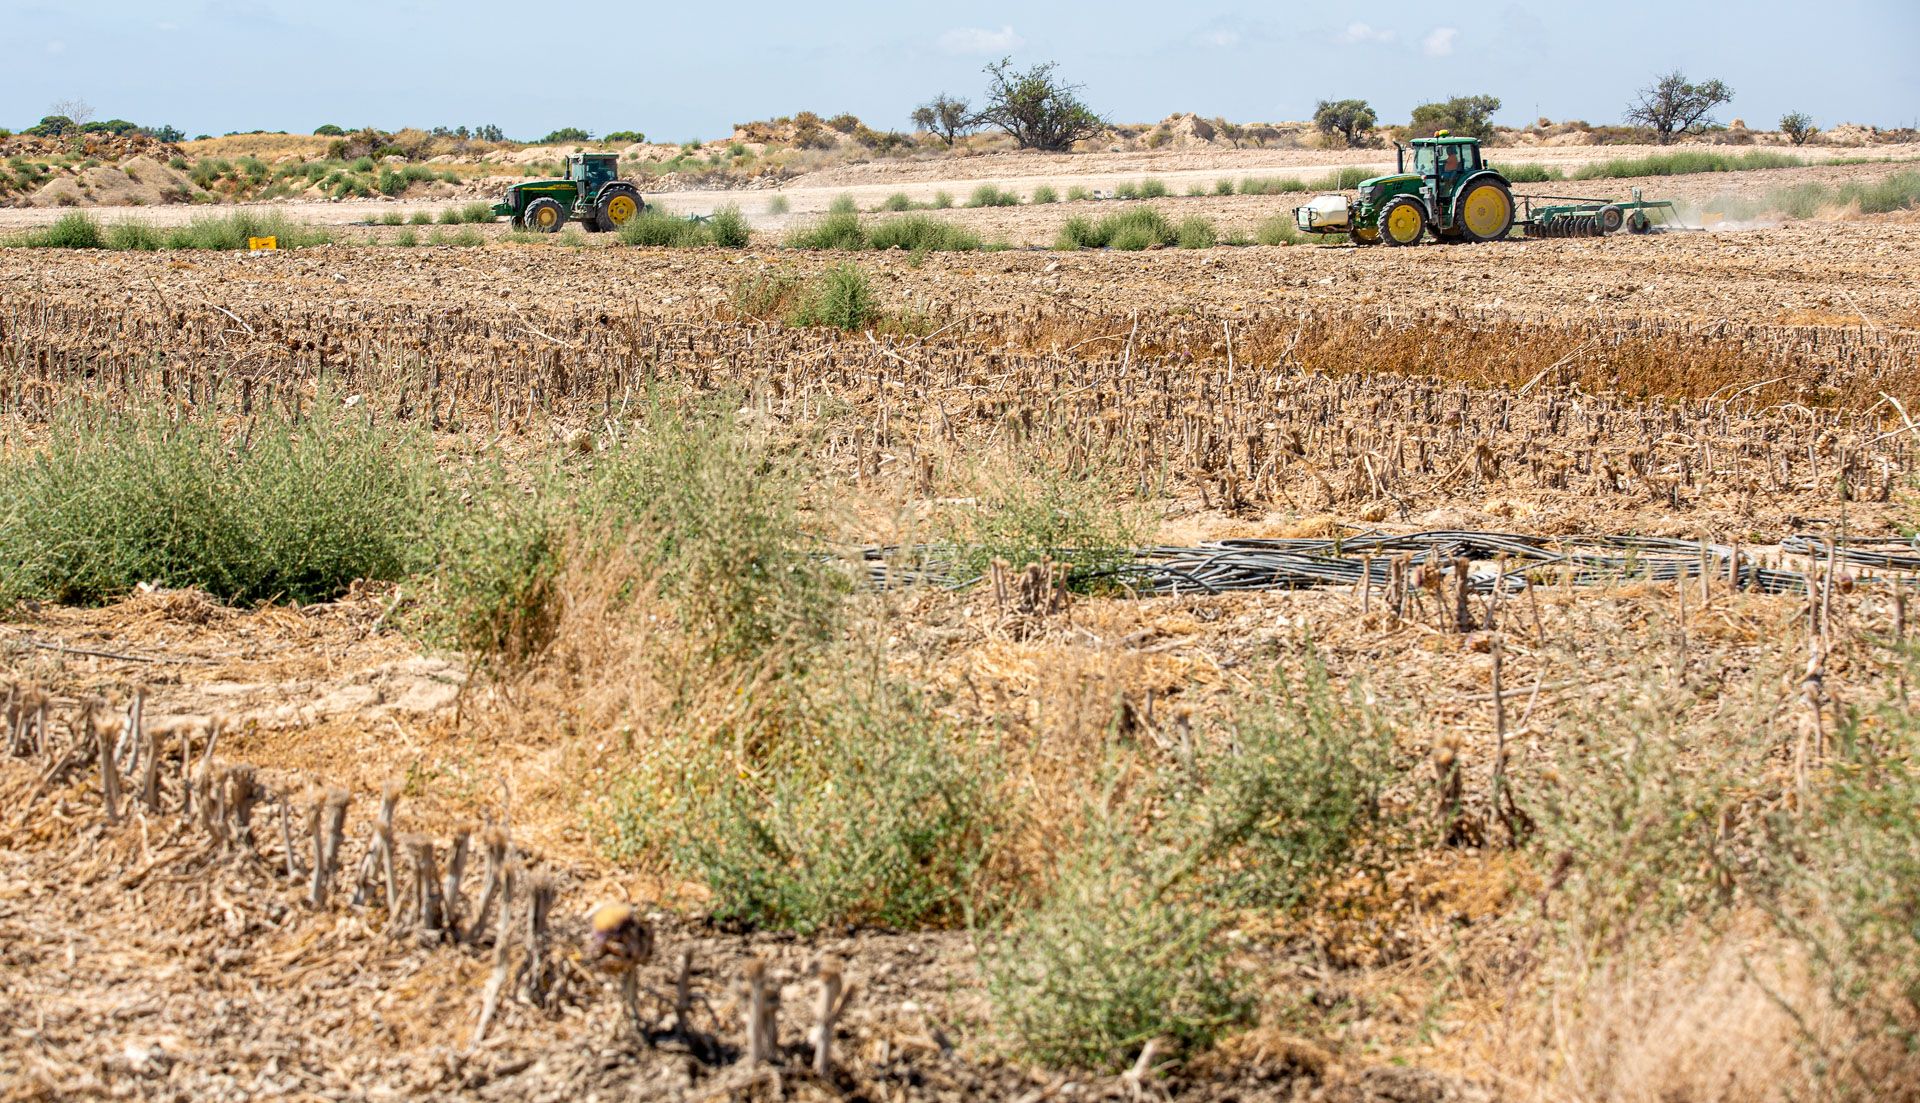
x=978, y=40
x=1365, y=32
x=1220, y=39
x=56, y=47
x=1439, y=41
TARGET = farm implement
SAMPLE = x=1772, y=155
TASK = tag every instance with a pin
x=1570, y=216
x=1453, y=194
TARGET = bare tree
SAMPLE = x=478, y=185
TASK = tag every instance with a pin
x=1038, y=110
x=946, y=117
x=1674, y=105
x=1232, y=132
x=80, y=111
x=1798, y=127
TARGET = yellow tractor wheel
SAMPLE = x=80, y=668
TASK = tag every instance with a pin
x=1485, y=212
x=1402, y=221
x=1364, y=235
x=544, y=216
x=619, y=204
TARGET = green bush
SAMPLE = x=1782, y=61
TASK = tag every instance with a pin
x=1130, y=229
x=407, y=238
x=842, y=298
x=1280, y=229
x=987, y=195
x=393, y=218
x=1195, y=233
x=727, y=228
x=281, y=511
x=1287, y=797
x=420, y=218
x=864, y=814
x=1682, y=162
x=778, y=205
x=920, y=233
x=1044, y=194
x=1272, y=185
x=843, y=204
x=74, y=230
x=839, y=230
x=1116, y=954
x=654, y=225
x=767, y=294
x=942, y=201
x=1038, y=508
x=136, y=236
x=1223, y=186
x=898, y=201
x=231, y=231
x=1530, y=173
x=1078, y=193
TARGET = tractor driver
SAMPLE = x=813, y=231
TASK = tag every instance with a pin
x=1452, y=164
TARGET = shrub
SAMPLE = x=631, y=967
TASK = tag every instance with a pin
x=654, y=225
x=1530, y=173
x=840, y=230
x=137, y=236
x=842, y=298
x=421, y=218
x=283, y=511
x=479, y=211
x=1131, y=229
x=393, y=218
x=406, y=239
x=864, y=814
x=1044, y=194
x=919, y=233
x=1078, y=193
x=74, y=230
x=898, y=201
x=1272, y=185
x=1116, y=954
x=843, y=204
x=1686, y=162
x=727, y=228
x=778, y=205
x=1041, y=506
x=942, y=200
x=987, y=195
x=1798, y=127
x=1195, y=233
x=766, y=294
x=1223, y=186
x=231, y=231
x=1279, y=230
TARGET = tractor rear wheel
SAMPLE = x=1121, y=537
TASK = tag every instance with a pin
x=1486, y=212
x=1402, y=221
x=544, y=216
x=618, y=204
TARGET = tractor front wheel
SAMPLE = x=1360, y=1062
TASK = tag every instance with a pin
x=544, y=216
x=1402, y=221
x=1364, y=235
x=617, y=206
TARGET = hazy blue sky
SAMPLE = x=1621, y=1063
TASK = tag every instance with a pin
x=679, y=71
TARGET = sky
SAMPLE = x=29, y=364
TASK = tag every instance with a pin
x=688, y=71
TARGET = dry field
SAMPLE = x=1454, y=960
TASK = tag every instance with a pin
x=1487, y=824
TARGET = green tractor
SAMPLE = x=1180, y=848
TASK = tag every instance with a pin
x=592, y=193
x=1451, y=193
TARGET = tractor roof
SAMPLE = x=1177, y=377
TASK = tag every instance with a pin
x=1448, y=140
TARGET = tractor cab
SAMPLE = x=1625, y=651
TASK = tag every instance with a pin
x=593, y=171
x=1446, y=160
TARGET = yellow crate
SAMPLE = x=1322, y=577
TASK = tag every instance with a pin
x=257, y=244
